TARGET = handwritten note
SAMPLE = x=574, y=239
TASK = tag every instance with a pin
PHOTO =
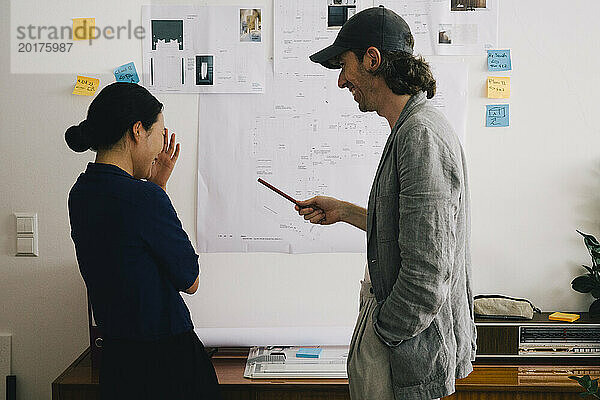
x=496, y=115
x=499, y=60
x=86, y=86
x=83, y=28
x=498, y=87
x=126, y=73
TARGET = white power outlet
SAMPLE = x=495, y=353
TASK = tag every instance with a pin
x=5, y=360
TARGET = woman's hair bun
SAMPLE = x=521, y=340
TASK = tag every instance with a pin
x=78, y=137
x=112, y=114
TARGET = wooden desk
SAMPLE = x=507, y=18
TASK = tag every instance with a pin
x=494, y=382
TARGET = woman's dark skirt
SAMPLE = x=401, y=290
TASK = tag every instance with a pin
x=175, y=368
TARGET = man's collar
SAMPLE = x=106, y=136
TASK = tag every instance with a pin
x=414, y=101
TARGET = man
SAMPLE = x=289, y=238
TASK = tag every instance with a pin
x=415, y=333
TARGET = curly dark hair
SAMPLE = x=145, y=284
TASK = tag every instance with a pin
x=403, y=72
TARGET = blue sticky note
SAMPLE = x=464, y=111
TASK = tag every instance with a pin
x=499, y=60
x=127, y=73
x=309, y=352
x=496, y=115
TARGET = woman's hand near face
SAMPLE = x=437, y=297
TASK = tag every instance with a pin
x=162, y=168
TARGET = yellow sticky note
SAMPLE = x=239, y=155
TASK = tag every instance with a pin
x=498, y=87
x=86, y=86
x=559, y=316
x=83, y=28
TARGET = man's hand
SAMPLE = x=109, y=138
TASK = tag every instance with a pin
x=162, y=168
x=327, y=210
x=321, y=210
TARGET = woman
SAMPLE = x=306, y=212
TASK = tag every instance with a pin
x=133, y=253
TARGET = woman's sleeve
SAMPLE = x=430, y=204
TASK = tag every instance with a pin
x=167, y=241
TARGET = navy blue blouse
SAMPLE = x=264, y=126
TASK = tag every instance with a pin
x=133, y=254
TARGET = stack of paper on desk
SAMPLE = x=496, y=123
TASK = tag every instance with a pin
x=281, y=362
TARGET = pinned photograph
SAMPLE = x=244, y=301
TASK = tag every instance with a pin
x=444, y=37
x=204, y=70
x=250, y=24
x=339, y=11
x=467, y=5
x=167, y=33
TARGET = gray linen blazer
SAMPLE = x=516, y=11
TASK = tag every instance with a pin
x=418, y=234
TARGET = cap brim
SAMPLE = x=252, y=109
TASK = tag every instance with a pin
x=326, y=56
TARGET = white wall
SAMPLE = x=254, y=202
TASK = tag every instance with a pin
x=536, y=182
x=532, y=185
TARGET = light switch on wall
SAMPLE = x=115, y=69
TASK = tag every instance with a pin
x=24, y=225
x=20, y=224
x=27, y=234
x=25, y=245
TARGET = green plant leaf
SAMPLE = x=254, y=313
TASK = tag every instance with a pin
x=586, y=381
x=583, y=284
x=590, y=270
x=590, y=385
x=595, y=309
x=589, y=239
x=596, y=278
x=593, y=247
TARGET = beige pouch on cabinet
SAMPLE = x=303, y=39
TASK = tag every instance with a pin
x=497, y=306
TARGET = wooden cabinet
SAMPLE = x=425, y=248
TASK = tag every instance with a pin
x=486, y=382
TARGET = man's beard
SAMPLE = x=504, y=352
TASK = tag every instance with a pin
x=365, y=107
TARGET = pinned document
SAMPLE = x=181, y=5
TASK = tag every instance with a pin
x=126, y=73
x=499, y=60
x=86, y=86
x=496, y=115
x=498, y=87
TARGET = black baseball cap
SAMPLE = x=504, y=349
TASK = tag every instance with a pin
x=376, y=26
